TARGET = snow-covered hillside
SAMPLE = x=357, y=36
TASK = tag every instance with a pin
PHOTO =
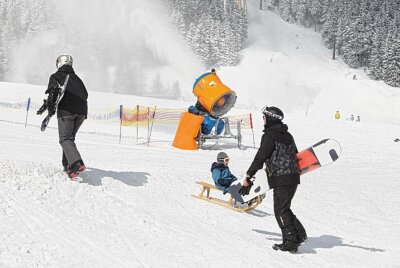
x=133, y=206
x=289, y=66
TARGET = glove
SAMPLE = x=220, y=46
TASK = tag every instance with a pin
x=51, y=109
x=245, y=190
x=52, y=99
x=42, y=108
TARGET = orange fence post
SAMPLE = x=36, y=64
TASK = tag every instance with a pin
x=120, y=122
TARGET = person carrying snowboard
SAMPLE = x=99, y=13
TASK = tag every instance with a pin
x=221, y=174
x=278, y=151
x=71, y=112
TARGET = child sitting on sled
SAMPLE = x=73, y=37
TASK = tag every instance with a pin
x=221, y=174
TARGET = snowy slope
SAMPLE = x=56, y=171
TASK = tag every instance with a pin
x=288, y=66
x=133, y=207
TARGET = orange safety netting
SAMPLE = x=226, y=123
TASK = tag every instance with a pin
x=141, y=115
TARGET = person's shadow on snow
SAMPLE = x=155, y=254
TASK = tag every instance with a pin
x=258, y=213
x=94, y=176
x=330, y=241
x=271, y=236
x=313, y=243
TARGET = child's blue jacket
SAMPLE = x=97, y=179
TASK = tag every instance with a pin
x=222, y=176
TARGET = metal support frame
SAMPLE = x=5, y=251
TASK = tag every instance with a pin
x=201, y=139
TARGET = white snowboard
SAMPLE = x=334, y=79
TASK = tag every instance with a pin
x=259, y=187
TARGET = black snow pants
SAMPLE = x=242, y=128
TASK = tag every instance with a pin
x=291, y=227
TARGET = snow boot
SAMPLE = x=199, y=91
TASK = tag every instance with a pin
x=76, y=168
x=289, y=246
x=301, y=232
x=289, y=237
x=67, y=170
x=301, y=240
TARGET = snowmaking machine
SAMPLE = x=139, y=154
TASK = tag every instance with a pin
x=204, y=119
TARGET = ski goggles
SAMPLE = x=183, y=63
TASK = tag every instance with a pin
x=266, y=112
x=225, y=160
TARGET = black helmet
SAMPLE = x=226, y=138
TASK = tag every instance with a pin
x=272, y=113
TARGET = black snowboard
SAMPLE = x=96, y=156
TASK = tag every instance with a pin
x=46, y=120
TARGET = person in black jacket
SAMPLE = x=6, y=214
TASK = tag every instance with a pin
x=278, y=151
x=71, y=112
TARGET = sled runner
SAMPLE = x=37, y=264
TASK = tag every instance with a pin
x=231, y=203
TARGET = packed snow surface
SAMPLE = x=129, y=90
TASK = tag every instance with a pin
x=133, y=205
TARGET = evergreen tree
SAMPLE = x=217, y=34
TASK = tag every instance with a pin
x=330, y=21
x=391, y=63
x=175, y=92
x=190, y=33
x=363, y=31
x=20, y=19
x=215, y=29
x=315, y=10
x=217, y=10
x=300, y=11
x=375, y=66
x=157, y=87
x=285, y=9
x=179, y=21
x=201, y=43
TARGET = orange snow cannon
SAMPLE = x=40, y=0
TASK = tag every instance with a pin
x=213, y=95
x=187, y=132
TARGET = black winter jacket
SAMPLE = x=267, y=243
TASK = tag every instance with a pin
x=75, y=97
x=278, y=151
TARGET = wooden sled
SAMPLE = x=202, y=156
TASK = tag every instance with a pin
x=231, y=203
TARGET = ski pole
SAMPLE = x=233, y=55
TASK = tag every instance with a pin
x=252, y=130
x=27, y=110
x=152, y=122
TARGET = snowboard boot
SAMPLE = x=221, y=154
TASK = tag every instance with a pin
x=301, y=240
x=76, y=168
x=301, y=232
x=67, y=170
x=289, y=246
x=289, y=237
